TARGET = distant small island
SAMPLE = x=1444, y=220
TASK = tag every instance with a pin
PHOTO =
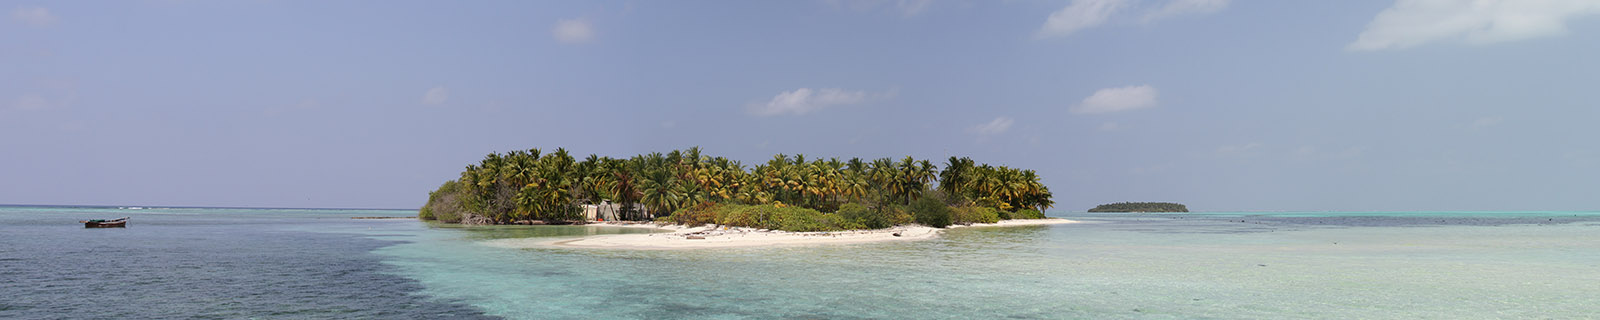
x=1141, y=207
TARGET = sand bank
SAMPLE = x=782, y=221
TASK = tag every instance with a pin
x=703, y=237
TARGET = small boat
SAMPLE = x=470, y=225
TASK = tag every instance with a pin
x=114, y=223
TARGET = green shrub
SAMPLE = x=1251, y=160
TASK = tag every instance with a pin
x=807, y=220
x=426, y=213
x=746, y=216
x=1027, y=214
x=863, y=215
x=794, y=219
x=898, y=215
x=971, y=215
x=931, y=212
x=446, y=204
x=698, y=215
x=989, y=216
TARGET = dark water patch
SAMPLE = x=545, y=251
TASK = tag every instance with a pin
x=165, y=269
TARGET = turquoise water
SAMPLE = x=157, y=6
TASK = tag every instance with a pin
x=1213, y=265
x=1399, y=214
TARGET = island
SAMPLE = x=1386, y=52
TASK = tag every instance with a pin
x=1140, y=207
x=706, y=196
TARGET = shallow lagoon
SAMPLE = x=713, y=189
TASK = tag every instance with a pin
x=1216, y=265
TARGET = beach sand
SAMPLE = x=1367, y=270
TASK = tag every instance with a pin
x=712, y=236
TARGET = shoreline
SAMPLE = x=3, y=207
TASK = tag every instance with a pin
x=712, y=236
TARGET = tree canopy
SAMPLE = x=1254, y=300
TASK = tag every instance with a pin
x=532, y=185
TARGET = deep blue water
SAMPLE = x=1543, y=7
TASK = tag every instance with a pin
x=205, y=264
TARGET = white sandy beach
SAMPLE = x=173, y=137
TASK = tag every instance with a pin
x=718, y=237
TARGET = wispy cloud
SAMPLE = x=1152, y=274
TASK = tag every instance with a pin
x=436, y=96
x=35, y=16
x=31, y=102
x=1079, y=15
x=806, y=100
x=573, y=31
x=1109, y=126
x=905, y=8
x=1110, y=100
x=997, y=126
x=1177, y=8
x=1411, y=23
x=1084, y=14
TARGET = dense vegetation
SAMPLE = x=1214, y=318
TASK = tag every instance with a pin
x=785, y=193
x=1141, y=207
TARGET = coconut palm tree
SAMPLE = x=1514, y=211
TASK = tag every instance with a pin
x=529, y=184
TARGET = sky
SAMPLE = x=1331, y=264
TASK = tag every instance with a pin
x=1221, y=105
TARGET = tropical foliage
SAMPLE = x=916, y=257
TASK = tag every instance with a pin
x=531, y=185
x=996, y=187
x=1141, y=207
x=970, y=215
x=931, y=212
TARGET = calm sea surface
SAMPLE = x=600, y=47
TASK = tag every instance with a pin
x=300, y=263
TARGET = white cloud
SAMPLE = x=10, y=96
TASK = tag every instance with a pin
x=1486, y=122
x=1081, y=14
x=1109, y=126
x=436, y=96
x=31, y=102
x=1110, y=100
x=806, y=100
x=997, y=126
x=36, y=16
x=573, y=31
x=1411, y=23
x=1085, y=14
x=1176, y=8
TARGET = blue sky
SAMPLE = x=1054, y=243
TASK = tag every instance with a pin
x=1223, y=105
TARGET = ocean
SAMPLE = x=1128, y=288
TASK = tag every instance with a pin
x=314, y=263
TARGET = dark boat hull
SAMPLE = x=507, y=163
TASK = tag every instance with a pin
x=118, y=223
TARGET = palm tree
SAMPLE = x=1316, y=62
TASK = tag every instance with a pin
x=955, y=175
x=528, y=184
